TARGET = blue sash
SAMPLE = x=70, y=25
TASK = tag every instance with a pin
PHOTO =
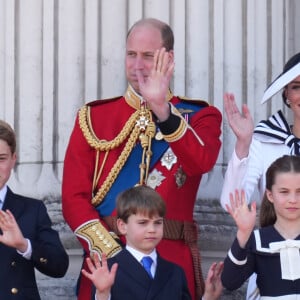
x=130, y=173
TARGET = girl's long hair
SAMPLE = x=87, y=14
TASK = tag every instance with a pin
x=284, y=164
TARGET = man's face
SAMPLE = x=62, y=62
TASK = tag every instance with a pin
x=7, y=162
x=141, y=44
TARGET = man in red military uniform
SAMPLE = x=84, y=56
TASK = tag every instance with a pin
x=148, y=136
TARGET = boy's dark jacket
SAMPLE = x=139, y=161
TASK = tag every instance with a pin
x=133, y=283
x=17, y=275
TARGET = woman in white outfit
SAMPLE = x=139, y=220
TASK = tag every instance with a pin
x=256, y=148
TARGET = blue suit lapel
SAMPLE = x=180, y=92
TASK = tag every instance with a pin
x=133, y=269
x=13, y=203
x=162, y=276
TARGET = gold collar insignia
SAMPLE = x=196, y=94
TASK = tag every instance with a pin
x=134, y=99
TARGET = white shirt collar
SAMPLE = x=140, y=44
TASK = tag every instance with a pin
x=139, y=255
x=3, y=192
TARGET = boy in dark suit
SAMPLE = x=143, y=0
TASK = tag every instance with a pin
x=140, y=212
x=27, y=240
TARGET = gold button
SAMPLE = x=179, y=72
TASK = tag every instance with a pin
x=43, y=260
x=14, y=290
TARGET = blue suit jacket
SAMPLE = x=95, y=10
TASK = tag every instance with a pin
x=17, y=276
x=133, y=283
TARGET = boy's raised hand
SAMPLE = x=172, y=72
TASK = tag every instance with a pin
x=100, y=275
x=213, y=283
x=11, y=234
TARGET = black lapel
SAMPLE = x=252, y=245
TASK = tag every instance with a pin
x=162, y=275
x=132, y=268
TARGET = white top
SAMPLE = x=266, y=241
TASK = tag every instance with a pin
x=271, y=139
x=249, y=173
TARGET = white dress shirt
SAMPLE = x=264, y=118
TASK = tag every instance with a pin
x=139, y=255
x=3, y=192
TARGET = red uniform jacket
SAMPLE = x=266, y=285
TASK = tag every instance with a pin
x=193, y=158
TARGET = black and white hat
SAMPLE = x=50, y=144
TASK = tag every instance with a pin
x=290, y=71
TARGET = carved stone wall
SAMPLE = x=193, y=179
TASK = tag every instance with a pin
x=55, y=55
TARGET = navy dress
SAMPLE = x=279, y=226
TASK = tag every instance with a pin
x=259, y=257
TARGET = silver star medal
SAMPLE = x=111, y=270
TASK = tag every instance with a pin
x=155, y=179
x=168, y=159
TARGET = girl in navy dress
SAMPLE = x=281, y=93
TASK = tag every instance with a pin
x=273, y=250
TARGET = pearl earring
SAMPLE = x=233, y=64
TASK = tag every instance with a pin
x=288, y=102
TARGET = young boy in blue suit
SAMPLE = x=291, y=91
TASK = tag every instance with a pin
x=140, y=212
x=27, y=240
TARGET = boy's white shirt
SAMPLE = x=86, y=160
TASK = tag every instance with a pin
x=3, y=192
x=139, y=255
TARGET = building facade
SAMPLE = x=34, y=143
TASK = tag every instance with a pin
x=56, y=55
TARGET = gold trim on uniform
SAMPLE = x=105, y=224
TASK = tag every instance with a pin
x=94, y=141
x=98, y=238
x=139, y=126
x=175, y=136
x=134, y=100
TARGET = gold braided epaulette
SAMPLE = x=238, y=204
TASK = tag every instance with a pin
x=92, y=139
x=139, y=125
x=115, y=170
x=98, y=238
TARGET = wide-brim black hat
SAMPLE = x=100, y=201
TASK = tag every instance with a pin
x=290, y=71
